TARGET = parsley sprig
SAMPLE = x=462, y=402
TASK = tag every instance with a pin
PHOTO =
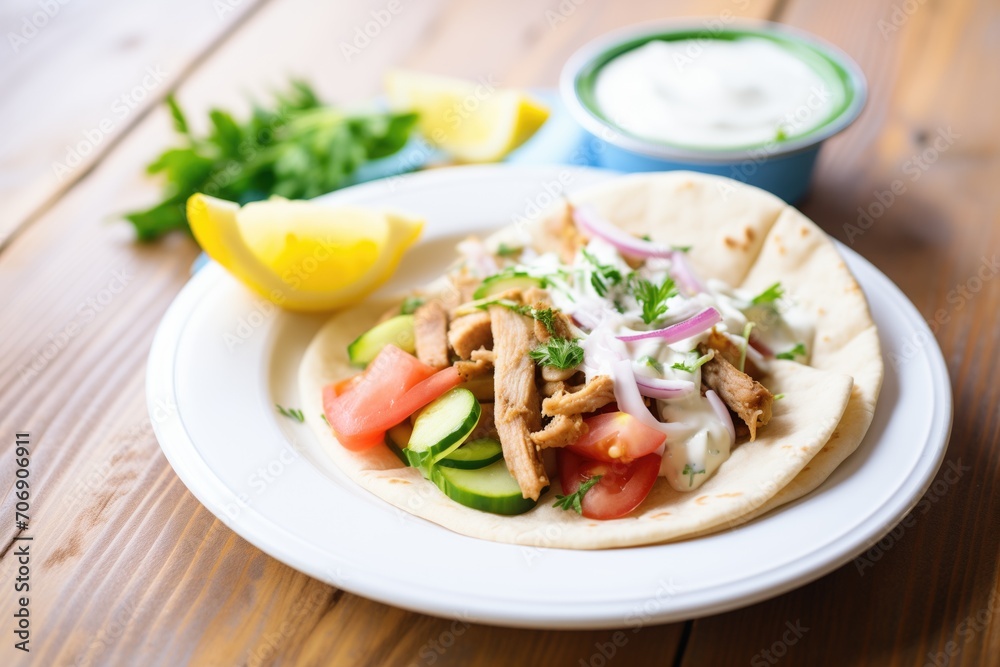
x=574, y=501
x=653, y=297
x=770, y=295
x=652, y=363
x=603, y=276
x=296, y=148
x=694, y=362
x=505, y=250
x=561, y=353
x=546, y=316
x=410, y=305
x=292, y=413
x=798, y=351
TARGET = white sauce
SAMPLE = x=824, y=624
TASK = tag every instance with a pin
x=694, y=453
x=713, y=93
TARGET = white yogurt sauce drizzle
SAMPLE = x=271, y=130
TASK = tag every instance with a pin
x=700, y=443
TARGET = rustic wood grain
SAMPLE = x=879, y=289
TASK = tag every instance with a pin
x=64, y=69
x=128, y=563
x=936, y=580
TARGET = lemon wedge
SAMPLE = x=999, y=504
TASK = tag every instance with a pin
x=302, y=255
x=472, y=121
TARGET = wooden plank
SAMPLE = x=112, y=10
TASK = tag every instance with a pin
x=928, y=594
x=76, y=75
x=132, y=563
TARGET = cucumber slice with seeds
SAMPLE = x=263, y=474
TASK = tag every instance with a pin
x=474, y=454
x=490, y=489
x=397, y=331
x=442, y=427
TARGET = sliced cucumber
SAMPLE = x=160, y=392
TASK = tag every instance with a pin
x=474, y=454
x=441, y=427
x=505, y=281
x=397, y=330
x=396, y=439
x=490, y=489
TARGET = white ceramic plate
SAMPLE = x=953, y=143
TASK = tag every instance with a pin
x=222, y=359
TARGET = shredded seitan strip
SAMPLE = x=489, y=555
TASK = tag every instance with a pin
x=550, y=388
x=749, y=399
x=561, y=430
x=593, y=396
x=482, y=354
x=461, y=285
x=560, y=325
x=560, y=233
x=517, y=413
x=430, y=328
x=470, y=370
x=470, y=332
x=731, y=352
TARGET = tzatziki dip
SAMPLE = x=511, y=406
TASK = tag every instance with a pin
x=714, y=93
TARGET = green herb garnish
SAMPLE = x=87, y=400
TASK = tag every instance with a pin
x=410, y=304
x=681, y=248
x=546, y=316
x=561, y=353
x=574, y=500
x=770, y=295
x=652, y=363
x=653, y=297
x=778, y=397
x=325, y=420
x=298, y=148
x=695, y=363
x=505, y=250
x=691, y=471
x=798, y=351
x=603, y=276
x=292, y=413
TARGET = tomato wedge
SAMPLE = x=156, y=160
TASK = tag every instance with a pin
x=393, y=386
x=616, y=436
x=622, y=488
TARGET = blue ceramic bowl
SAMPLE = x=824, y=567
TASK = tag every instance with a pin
x=783, y=167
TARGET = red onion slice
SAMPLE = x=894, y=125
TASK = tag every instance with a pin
x=693, y=326
x=723, y=412
x=588, y=220
x=658, y=388
x=682, y=272
x=630, y=401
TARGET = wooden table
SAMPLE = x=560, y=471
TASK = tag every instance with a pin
x=126, y=563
